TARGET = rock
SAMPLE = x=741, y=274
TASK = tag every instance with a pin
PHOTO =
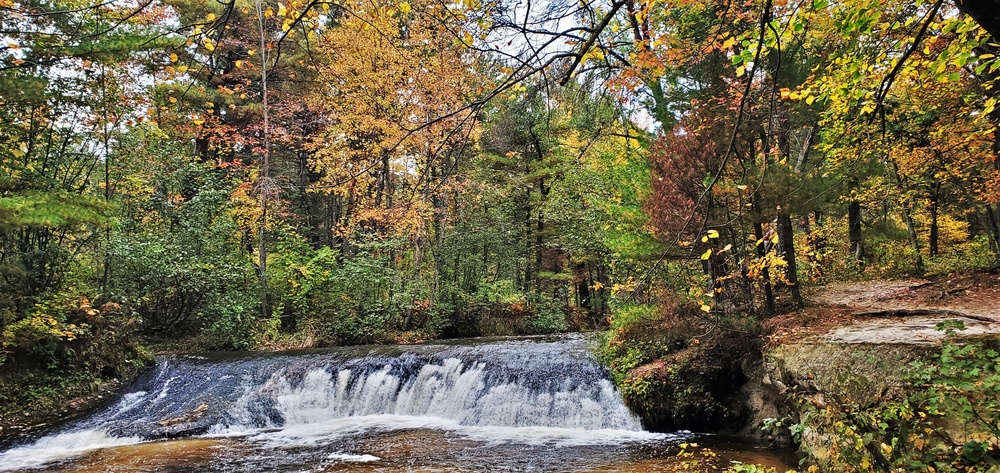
x=195, y=422
x=186, y=418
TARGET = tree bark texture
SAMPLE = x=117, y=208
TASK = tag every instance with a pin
x=786, y=239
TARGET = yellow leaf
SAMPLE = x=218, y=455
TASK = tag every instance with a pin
x=210, y=17
x=740, y=71
x=707, y=254
x=268, y=13
x=282, y=11
x=182, y=68
x=810, y=99
x=287, y=25
x=173, y=57
x=404, y=7
x=713, y=234
x=729, y=43
x=785, y=92
x=198, y=121
x=172, y=99
x=706, y=308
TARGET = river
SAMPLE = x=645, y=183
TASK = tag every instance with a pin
x=483, y=405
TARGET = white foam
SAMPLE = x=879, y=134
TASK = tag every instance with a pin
x=450, y=390
x=59, y=447
x=311, y=434
x=347, y=457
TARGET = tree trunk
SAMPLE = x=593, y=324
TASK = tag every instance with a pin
x=758, y=231
x=265, y=183
x=933, y=244
x=991, y=214
x=985, y=12
x=787, y=248
x=911, y=231
x=540, y=233
x=529, y=243
x=583, y=285
x=854, y=230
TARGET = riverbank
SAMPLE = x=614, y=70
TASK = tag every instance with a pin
x=888, y=373
x=858, y=352
x=50, y=376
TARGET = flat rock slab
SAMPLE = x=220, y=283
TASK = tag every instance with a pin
x=866, y=294
x=907, y=330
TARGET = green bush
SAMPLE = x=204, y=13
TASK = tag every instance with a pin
x=236, y=322
x=547, y=317
x=975, y=254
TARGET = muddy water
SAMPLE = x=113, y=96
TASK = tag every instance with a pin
x=529, y=404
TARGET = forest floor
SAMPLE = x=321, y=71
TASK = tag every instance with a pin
x=898, y=311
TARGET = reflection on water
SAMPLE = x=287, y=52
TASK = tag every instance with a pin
x=412, y=450
x=535, y=404
x=176, y=455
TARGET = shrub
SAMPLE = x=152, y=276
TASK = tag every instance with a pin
x=950, y=421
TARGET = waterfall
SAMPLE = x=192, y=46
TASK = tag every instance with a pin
x=528, y=389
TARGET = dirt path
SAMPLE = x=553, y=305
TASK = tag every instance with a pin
x=893, y=312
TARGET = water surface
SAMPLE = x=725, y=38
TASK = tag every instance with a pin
x=483, y=405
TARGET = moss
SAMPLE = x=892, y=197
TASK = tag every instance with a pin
x=675, y=378
x=845, y=370
x=695, y=388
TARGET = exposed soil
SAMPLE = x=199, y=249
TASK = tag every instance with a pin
x=906, y=311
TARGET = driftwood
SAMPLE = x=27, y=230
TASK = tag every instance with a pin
x=915, y=312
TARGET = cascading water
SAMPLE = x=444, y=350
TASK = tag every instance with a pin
x=317, y=405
